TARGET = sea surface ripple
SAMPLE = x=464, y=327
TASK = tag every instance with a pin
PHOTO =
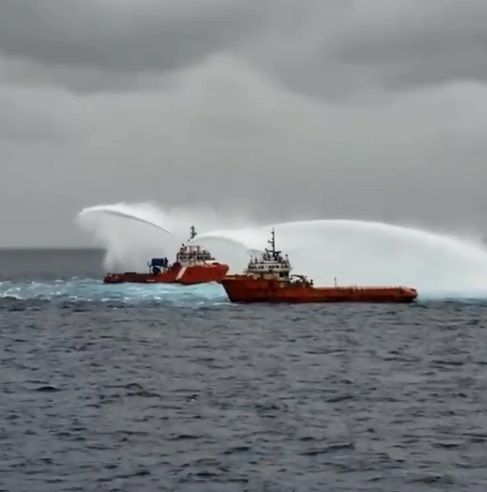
x=171, y=389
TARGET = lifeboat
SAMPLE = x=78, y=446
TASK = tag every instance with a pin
x=268, y=279
x=193, y=265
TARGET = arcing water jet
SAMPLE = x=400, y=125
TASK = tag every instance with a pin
x=128, y=233
x=353, y=252
x=122, y=210
x=359, y=252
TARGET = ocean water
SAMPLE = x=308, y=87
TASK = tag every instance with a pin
x=123, y=388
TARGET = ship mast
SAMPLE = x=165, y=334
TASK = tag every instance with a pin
x=272, y=243
x=192, y=233
x=272, y=240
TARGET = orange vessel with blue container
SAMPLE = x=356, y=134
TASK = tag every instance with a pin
x=193, y=265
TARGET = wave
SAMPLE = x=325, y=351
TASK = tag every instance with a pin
x=93, y=290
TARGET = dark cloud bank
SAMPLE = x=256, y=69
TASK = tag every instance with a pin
x=285, y=109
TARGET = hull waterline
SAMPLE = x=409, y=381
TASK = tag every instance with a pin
x=242, y=288
x=185, y=275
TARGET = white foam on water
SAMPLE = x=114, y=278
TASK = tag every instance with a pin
x=93, y=290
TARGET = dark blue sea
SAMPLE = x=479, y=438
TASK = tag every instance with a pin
x=164, y=388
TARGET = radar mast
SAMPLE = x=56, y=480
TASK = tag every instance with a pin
x=272, y=243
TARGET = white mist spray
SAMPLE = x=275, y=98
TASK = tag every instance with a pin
x=133, y=233
x=355, y=252
x=359, y=252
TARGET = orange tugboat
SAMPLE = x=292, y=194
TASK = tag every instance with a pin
x=268, y=279
x=193, y=265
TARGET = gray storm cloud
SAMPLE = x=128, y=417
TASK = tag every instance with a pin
x=313, y=46
x=122, y=38
x=284, y=109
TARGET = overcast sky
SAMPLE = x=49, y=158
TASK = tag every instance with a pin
x=286, y=109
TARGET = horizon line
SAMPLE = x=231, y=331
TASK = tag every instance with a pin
x=72, y=248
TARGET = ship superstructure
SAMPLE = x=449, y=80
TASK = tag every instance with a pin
x=194, y=265
x=268, y=279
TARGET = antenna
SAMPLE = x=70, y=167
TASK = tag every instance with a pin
x=272, y=241
x=192, y=233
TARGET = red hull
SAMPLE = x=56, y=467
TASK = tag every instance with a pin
x=177, y=274
x=243, y=288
